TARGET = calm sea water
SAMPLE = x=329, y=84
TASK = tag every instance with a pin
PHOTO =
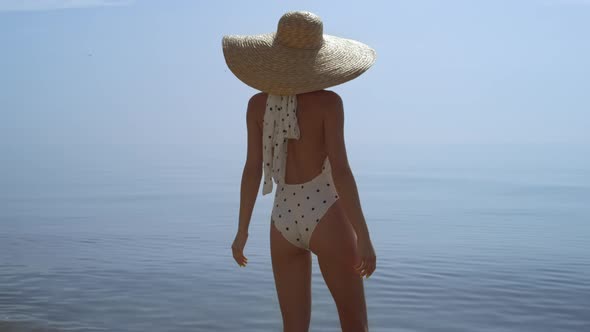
x=136, y=238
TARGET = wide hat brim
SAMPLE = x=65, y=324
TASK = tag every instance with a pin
x=262, y=63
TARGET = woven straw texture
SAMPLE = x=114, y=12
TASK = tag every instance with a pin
x=297, y=58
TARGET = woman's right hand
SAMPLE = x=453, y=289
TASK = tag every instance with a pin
x=368, y=259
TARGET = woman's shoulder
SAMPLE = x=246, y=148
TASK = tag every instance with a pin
x=321, y=93
x=258, y=98
x=258, y=101
x=257, y=105
x=322, y=98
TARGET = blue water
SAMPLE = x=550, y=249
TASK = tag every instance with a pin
x=137, y=237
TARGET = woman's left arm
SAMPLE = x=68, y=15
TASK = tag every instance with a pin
x=251, y=176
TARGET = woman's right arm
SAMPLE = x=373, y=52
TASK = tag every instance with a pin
x=344, y=180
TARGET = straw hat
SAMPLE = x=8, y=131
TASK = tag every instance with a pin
x=297, y=58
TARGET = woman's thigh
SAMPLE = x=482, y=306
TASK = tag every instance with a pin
x=292, y=273
x=334, y=242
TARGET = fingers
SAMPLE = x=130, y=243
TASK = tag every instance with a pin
x=366, y=266
x=239, y=257
x=360, y=266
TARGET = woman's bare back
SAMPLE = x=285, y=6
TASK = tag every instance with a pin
x=305, y=155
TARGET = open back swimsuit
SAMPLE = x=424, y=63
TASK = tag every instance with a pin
x=297, y=208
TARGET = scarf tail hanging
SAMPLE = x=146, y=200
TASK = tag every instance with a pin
x=280, y=124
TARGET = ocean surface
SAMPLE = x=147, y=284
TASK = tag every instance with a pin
x=137, y=238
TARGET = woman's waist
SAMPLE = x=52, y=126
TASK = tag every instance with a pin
x=322, y=183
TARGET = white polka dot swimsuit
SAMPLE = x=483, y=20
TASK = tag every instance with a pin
x=297, y=208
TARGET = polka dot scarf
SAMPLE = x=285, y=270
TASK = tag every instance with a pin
x=280, y=123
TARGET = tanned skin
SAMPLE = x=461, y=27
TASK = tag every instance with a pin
x=341, y=240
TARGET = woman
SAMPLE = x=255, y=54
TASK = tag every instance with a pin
x=316, y=206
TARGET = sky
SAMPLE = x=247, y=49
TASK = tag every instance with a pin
x=456, y=72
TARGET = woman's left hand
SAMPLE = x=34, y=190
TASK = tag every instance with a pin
x=238, y=248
